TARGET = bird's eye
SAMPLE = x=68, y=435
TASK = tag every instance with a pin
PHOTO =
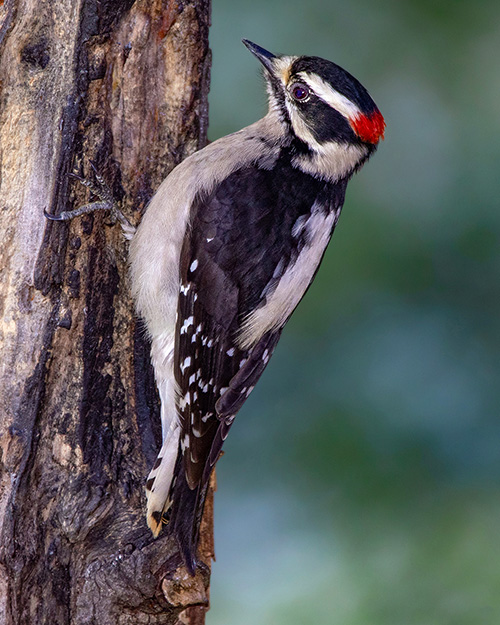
x=300, y=92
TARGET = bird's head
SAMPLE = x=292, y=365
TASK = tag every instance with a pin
x=324, y=106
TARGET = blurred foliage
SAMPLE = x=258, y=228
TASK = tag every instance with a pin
x=361, y=481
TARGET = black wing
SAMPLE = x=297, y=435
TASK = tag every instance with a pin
x=241, y=241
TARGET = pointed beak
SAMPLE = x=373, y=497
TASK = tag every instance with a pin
x=265, y=57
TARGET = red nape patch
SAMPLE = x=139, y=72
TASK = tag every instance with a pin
x=369, y=128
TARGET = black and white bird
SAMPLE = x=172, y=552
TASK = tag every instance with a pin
x=227, y=248
x=224, y=253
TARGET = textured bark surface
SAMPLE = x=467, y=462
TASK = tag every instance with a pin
x=125, y=84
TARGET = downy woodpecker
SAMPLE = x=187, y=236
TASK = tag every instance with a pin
x=225, y=251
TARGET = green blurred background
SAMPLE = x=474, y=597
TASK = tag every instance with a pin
x=361, y=481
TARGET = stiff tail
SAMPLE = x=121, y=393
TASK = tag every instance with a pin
x=171, y=498
x=185, y=517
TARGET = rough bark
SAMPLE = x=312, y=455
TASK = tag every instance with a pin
x=124, y=84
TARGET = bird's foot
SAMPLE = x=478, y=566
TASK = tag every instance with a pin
x=107, y=202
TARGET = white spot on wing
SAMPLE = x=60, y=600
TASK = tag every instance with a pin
x=184, y=401
x=193, y=265
x=185, y=364
x=187, y=323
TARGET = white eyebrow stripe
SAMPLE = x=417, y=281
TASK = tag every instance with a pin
x=329, y=95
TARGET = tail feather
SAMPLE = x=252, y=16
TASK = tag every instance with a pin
x=171, y=500
x=185, y=518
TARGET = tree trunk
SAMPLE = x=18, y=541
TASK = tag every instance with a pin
x=123, y=84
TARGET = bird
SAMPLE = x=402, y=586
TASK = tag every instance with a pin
x=225, y=251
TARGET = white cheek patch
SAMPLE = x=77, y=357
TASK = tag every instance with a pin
x=329, y=160
x=300, y=127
